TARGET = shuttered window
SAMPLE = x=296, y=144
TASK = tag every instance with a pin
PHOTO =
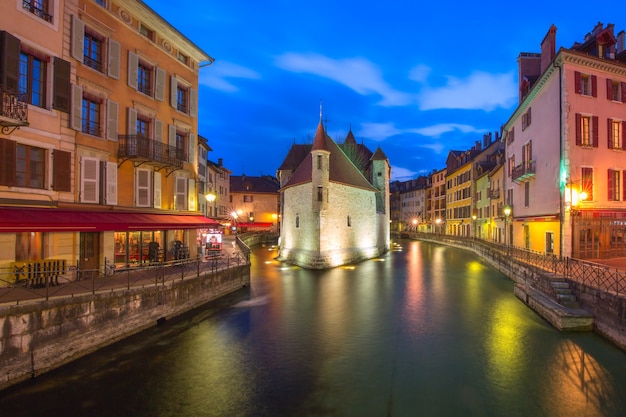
x=7, y=167
x=89, y=180
x=61, y=92
x=142, y=189
x=62, y=171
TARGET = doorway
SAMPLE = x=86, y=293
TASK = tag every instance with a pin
x=89, y=260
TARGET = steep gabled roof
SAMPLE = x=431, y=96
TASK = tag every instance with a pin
x=379, y=155
x=341, y=169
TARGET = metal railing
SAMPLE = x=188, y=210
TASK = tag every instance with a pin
x=13, y=107
x=107, y=278
x=139, y=146
x=594, y=275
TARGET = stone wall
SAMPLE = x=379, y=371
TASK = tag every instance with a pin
x=609, y=312
x=39, y=337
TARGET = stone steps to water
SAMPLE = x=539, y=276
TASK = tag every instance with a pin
x=564, y=294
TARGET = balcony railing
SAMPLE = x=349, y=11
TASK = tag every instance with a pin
x=523, y=171
x=494, y=193
x=37, y=9
x=143, y=148
x=14, y=112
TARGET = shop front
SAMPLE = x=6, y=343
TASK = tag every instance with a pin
x=105, y=238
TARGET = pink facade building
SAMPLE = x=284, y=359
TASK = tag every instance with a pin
x=565, y=148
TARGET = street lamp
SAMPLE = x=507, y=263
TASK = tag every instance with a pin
x=474, y=224
x=438, y=223
x=211, y=198
x=507, y=213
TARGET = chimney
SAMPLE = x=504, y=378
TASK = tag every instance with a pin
x=219, y=161
x=548, y=48
x=619, y=47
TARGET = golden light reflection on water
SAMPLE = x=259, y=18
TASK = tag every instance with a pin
x=581, y=381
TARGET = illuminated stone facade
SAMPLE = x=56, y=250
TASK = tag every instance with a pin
x=334, y=203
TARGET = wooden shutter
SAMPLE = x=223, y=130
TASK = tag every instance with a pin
x=594, y=130
x=609, y=89
x=159, y=89
x=181, y=193
x=157, y=190
x=191, y=194
x=133, y=66
x=113, y=60
x=192, y=148
x=578, y=129
x=594, y=86
x=623, y=136
x=111, y=184
x=9, y=62
x=112, y=116
x=76, y=117
x=173, y=92
x=609, y=133
x=609, y=185
x=61, y=170
x=624, y=185
x=62, y=87
x=7, y=167
x=171, y=137
x=623, y=92
x=78, y=39
x=193, y=102
x=142, y=188
x=577, y=79
x=89, y=180
x=158, y=131
x=131, y=121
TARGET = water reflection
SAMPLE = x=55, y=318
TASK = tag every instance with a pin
x=426, y=330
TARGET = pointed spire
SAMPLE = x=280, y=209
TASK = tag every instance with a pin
x=319, y=142
x=350, y=140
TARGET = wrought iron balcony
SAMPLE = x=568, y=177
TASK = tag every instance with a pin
x=39, y=9
x=524, y=171
x=494, y=193
x=14, y=112
x=141, y=149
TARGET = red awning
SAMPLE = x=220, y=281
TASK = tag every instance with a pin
x=13, y=220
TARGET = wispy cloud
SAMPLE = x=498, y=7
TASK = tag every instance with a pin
x=401, y=174
x=437, y=130
x=419, y=73
x=359, y=74
x=382, y=131
x=436, y=147
x=479, y=91
x=218, y=75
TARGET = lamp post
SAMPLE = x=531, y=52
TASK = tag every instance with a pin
x=211, y=198
x=438, y=223
x=507, y=213
x=474, y=225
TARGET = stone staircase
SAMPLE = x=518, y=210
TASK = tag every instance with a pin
x=563, y=293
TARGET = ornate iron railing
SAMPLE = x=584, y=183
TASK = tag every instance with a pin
x=139, y=146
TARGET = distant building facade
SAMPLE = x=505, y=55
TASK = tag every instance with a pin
x=334, y=203
x=254, y=203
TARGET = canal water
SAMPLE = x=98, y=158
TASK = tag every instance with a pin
x=425, y=330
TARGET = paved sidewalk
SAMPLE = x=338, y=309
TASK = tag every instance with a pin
x=122, y=279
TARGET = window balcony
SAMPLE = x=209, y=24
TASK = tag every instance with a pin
x=524, y=171
x=494, y=193
x=141, y=149
x=13, y=114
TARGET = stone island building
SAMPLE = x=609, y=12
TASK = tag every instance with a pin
x=334, y=203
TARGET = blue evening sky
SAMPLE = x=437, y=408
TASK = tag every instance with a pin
x=417, y=78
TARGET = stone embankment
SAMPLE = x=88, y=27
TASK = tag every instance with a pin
x=40, y=336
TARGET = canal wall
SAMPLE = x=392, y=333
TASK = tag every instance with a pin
x=39, y=337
